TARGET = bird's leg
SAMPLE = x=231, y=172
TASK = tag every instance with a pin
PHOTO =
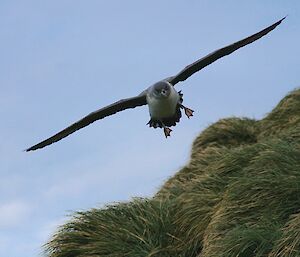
x=167, y=131
x=188, y=112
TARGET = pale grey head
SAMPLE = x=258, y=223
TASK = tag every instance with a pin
x=161, y=89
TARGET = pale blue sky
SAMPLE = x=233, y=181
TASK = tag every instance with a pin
x=60, y=60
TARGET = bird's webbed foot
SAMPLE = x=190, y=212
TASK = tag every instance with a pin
x=188, y=112
x=167, y=131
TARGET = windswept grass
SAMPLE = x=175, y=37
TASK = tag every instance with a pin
x=139, y=228
x=238, y=196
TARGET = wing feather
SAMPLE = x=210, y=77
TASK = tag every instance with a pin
x=96, y=115
x=210, y=58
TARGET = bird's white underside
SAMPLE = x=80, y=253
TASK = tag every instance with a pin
x=163, y=107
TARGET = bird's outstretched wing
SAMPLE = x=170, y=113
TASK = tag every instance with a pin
x=97, y=115
x=210, y=58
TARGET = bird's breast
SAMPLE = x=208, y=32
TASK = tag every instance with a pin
x=163, y=107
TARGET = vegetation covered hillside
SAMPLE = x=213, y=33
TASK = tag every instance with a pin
x=238, y=196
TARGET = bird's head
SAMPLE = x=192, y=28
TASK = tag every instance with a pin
x=162, y=89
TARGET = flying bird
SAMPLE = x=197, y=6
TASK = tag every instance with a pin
x=164, y=102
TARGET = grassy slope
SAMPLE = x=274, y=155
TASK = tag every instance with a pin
x=238, y=196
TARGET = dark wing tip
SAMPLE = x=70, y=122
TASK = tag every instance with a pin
x=278, y=22
x=28, y=149
x=32, y=148
x=38, y=146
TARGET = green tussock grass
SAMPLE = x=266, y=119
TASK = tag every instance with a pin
x=238, y=196
x=139, y=228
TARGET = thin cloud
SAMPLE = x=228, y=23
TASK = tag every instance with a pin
x=13, y=213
